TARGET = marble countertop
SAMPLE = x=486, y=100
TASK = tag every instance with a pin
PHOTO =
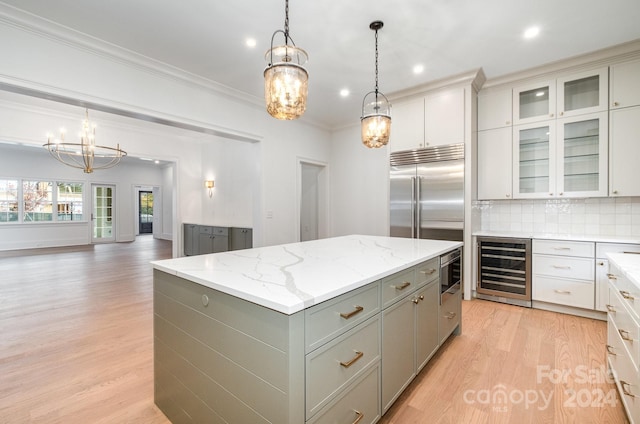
x=291, y=277
x=543, y=236
x=629, y=265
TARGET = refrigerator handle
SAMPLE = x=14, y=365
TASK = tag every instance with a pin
x=413, y=207
x=416, y=206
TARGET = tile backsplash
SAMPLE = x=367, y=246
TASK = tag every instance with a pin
x=594, y=216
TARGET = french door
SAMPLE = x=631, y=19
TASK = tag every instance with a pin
x=103, y=213
x=145, y=212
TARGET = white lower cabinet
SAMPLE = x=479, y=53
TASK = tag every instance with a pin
x=602, y=269
x=623, y=341
x=563, y=273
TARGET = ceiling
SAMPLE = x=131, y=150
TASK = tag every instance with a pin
x=207, y=38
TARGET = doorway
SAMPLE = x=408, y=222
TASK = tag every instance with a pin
x=145, y=212
x=102, y=215
x=313, y=201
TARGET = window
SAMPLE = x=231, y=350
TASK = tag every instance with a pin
x=37, y=199
x=69, y=201
x=8, y=201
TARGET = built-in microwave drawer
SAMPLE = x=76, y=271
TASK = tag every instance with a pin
x=577, y=293
x=396, y=286
x=331, y=368
x=327, y=320
x=360, y=403
x=584, y=249
x=564, y=267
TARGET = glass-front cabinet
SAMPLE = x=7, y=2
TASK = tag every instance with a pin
x=534, y=160
x=534, y=102
x=561, y=158
x=583, y=93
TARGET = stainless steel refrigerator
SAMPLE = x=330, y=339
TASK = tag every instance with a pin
x=427, y=193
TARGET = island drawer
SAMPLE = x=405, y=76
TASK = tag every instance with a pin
x=428, y=271
x=564, y=267
x=450, y=312
x=359, y=400
x=628, y=291
x=333, y=366
x=626, y=327
x=584, y=249
x=623, y=370
x=398, y=285
x=577, y=293
x=327, y=320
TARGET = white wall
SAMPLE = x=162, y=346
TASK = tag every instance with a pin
x=40, y=58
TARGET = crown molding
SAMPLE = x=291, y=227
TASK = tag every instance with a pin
x=474, y=77
x=55, y=32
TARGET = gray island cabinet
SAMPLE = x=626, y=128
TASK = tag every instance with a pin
x=326, y=331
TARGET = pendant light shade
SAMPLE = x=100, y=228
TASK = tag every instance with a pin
x=285, y=78
x=376, y=110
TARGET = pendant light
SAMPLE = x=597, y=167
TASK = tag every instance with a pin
x=285, y=78
x=376, y=110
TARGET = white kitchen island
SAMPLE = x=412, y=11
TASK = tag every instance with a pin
x=294, y=333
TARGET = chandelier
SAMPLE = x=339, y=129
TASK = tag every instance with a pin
x=376, y=110
x=86, y=155
x=285, y=78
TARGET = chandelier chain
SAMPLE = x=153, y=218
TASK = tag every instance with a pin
x=376, y=61
x=286, y=21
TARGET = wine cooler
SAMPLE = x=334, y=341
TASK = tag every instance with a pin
x=504, y=270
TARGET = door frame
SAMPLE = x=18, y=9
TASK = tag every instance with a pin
x=323, y=196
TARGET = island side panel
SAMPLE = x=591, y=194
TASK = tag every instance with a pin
x=222, y=359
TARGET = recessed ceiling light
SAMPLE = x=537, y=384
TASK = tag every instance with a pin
x=156, y=162
x=344, y=92
x=531, y=32
x=418, y=69
x=250, y=42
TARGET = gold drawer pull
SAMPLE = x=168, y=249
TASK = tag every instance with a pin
x=561, y=248
x=612, y=277
x=562, y=291
x=610, y=350
x=624, y=389
x=561, y=266
x=347, y=315
x=402, y=286
x=428, y=271
x=625, y=335
x=450, y=315
x=418, y=299
x=359, y=415
x=352, y=361
x=610, y=308
x=626, y=295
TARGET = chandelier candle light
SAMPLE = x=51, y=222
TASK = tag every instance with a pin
x=86, y=155
x=285, y=78
x=376, y=110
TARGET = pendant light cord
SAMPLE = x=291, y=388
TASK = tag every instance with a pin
x=286, y=22
x=376, y=64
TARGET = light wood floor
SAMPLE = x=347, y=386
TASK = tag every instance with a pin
x=76, y=347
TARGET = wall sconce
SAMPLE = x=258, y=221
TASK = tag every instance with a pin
x=209, y=184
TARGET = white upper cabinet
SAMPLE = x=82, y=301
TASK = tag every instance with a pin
x=534, y=102
x=625, y=84
x=407, y=125
x=431, y=120
x=494, y=109
x=494, y=164
x=444, y=117
x=624, y=151
x=534, y=160
x=583, y=93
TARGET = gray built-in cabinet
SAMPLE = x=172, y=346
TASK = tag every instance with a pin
x=219, y=358
x=203, y=239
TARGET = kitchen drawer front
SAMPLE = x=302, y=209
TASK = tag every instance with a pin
x=624, y=372
x=628, y=291
x=627, y=328
x=220, y=231
x=332, y=367
x=577, y=293
x=396, y=286
x=428, y=271
x=205, y=230
x=329, y=319
x=583, y=249
x=360, y=399
x=449, y=318
x=564, y=267
x=603, y=248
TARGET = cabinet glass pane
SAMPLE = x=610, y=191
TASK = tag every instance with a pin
x=534, y=102
x=582, y=93
x=581, y=155
x=534, y=160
